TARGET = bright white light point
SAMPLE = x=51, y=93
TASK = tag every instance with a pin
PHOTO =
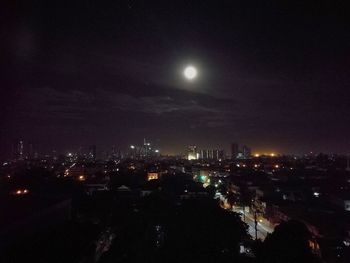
x=190, y=72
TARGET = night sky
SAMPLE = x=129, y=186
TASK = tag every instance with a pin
x=272, y=76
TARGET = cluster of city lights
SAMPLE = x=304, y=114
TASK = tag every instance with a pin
x=21, y=192
x=133, y=147
x=265, y=154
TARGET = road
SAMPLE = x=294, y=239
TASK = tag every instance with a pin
x=263, y=229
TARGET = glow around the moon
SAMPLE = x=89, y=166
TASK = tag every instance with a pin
x=190, y=72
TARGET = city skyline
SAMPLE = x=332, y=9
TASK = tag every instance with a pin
x=26, y=150
x=271, y=75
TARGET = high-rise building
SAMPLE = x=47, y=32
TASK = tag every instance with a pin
x=234, y=150
x=211, y=154
x=203, y=154
x=147, y=149
x=218, y=154
x=21, y=149
x=192, y=152
x=246, y=152
x=18, y=150
x=221, y=155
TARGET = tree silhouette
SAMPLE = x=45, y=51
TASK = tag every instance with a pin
x=289, y=243
x=203, y=232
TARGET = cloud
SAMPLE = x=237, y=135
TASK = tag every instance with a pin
x=78, y=107
x=187, y=109
x=49, y=104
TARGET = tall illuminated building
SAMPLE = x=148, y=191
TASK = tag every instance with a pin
x=203, y=154
x=192, y=152
x=211, y=154
x=146, y=150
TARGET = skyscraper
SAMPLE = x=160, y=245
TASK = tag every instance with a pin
x=203, y=154
x=234, y=150
x=146, y=149
x=221, y=155
x=211, y=154
x=18, y=150
x=246, y=152
x=192, y=152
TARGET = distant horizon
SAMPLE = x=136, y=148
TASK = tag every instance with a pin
x=164, y=151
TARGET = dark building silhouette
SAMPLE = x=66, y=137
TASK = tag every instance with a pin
x=234, y=150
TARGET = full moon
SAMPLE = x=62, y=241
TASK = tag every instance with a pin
x=190, y=72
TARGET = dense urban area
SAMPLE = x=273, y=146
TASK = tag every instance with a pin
x=202, y=206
